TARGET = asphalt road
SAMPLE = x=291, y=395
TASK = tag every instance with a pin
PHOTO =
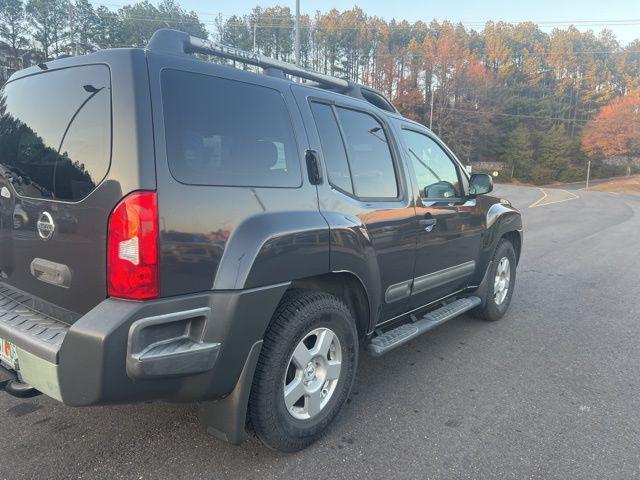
x=552, y=391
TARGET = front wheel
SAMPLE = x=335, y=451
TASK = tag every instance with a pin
x=305, y=372
x=501, y=282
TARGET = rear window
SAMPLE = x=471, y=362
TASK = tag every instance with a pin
x=55, y=132
x=224, y=132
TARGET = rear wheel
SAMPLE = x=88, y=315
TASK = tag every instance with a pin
x=501, y=282
x=305, y=372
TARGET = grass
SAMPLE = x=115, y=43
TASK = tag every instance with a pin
x=629, y=185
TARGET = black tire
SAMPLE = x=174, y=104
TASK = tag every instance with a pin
x=299, y=313
x=490, y=310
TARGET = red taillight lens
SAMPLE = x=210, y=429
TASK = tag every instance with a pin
x=132, y=247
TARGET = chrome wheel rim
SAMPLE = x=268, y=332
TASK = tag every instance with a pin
x=312, y=373
x=501, y=281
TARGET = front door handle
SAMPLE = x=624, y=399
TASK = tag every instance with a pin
x=428, y=223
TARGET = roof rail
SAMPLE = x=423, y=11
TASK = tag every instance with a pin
x=174, y=41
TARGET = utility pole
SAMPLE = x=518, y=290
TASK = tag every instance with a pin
x=296, y=27
x=254, y=36
x=431, y=113
x=586, y=187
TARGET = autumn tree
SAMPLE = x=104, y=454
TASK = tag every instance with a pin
x=615, y=130
x=626, y=74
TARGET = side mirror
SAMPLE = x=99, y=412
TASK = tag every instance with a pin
x=479, y=184
x=441, y=189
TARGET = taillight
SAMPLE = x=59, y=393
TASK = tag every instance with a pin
x=132, y=247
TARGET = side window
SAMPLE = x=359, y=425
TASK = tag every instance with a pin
x=436, y=173
x=224, y=132
x=369, y=156
x=334, y=154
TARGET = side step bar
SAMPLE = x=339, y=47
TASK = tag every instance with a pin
x=387, y=341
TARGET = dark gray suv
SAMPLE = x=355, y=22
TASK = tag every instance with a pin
x=172, y=228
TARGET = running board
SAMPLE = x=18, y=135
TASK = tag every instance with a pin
x=387, y=341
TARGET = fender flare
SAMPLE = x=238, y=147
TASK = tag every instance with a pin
x=296, y=242
x=501, y=219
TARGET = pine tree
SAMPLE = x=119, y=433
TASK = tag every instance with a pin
x=108, y=32
x=48, y=19
x=553, y=154
x=12, y=25
x=86, y=22
x=518, y=153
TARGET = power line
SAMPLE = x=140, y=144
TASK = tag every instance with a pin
x=592, y=22
x=251, y=25
x=430, y=27
x=475, y=23
x=516, y=115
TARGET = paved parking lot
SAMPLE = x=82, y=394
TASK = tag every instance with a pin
x=550, y=391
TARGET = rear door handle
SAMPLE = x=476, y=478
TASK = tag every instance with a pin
x=313, y=167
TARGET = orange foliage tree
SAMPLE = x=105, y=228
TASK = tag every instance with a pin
x=615, y=130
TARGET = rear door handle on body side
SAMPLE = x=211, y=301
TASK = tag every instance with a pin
x=313, y=167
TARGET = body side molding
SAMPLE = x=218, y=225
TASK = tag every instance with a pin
x=442, y=277
x=398, y=291
x=402, y=290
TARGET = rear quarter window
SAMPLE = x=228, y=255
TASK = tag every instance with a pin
x=333, y=149
x=55, y=132
x=228, y=133
x=369, y=155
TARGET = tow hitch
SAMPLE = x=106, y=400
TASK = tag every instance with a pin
x=10, y=383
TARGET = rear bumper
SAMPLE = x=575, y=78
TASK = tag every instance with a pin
x=187, y=348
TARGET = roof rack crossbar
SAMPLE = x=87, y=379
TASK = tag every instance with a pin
x=171, y=40
x=200, y=45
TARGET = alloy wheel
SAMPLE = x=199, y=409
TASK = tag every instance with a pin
x=312, y=373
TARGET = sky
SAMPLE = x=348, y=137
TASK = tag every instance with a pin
x=620, y=16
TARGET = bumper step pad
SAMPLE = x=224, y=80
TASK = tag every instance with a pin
x=387, y=341
x=29, y=329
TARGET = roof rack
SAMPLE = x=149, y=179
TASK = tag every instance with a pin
x=175, y=41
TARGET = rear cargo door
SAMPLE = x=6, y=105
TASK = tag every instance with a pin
x=55, y=151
